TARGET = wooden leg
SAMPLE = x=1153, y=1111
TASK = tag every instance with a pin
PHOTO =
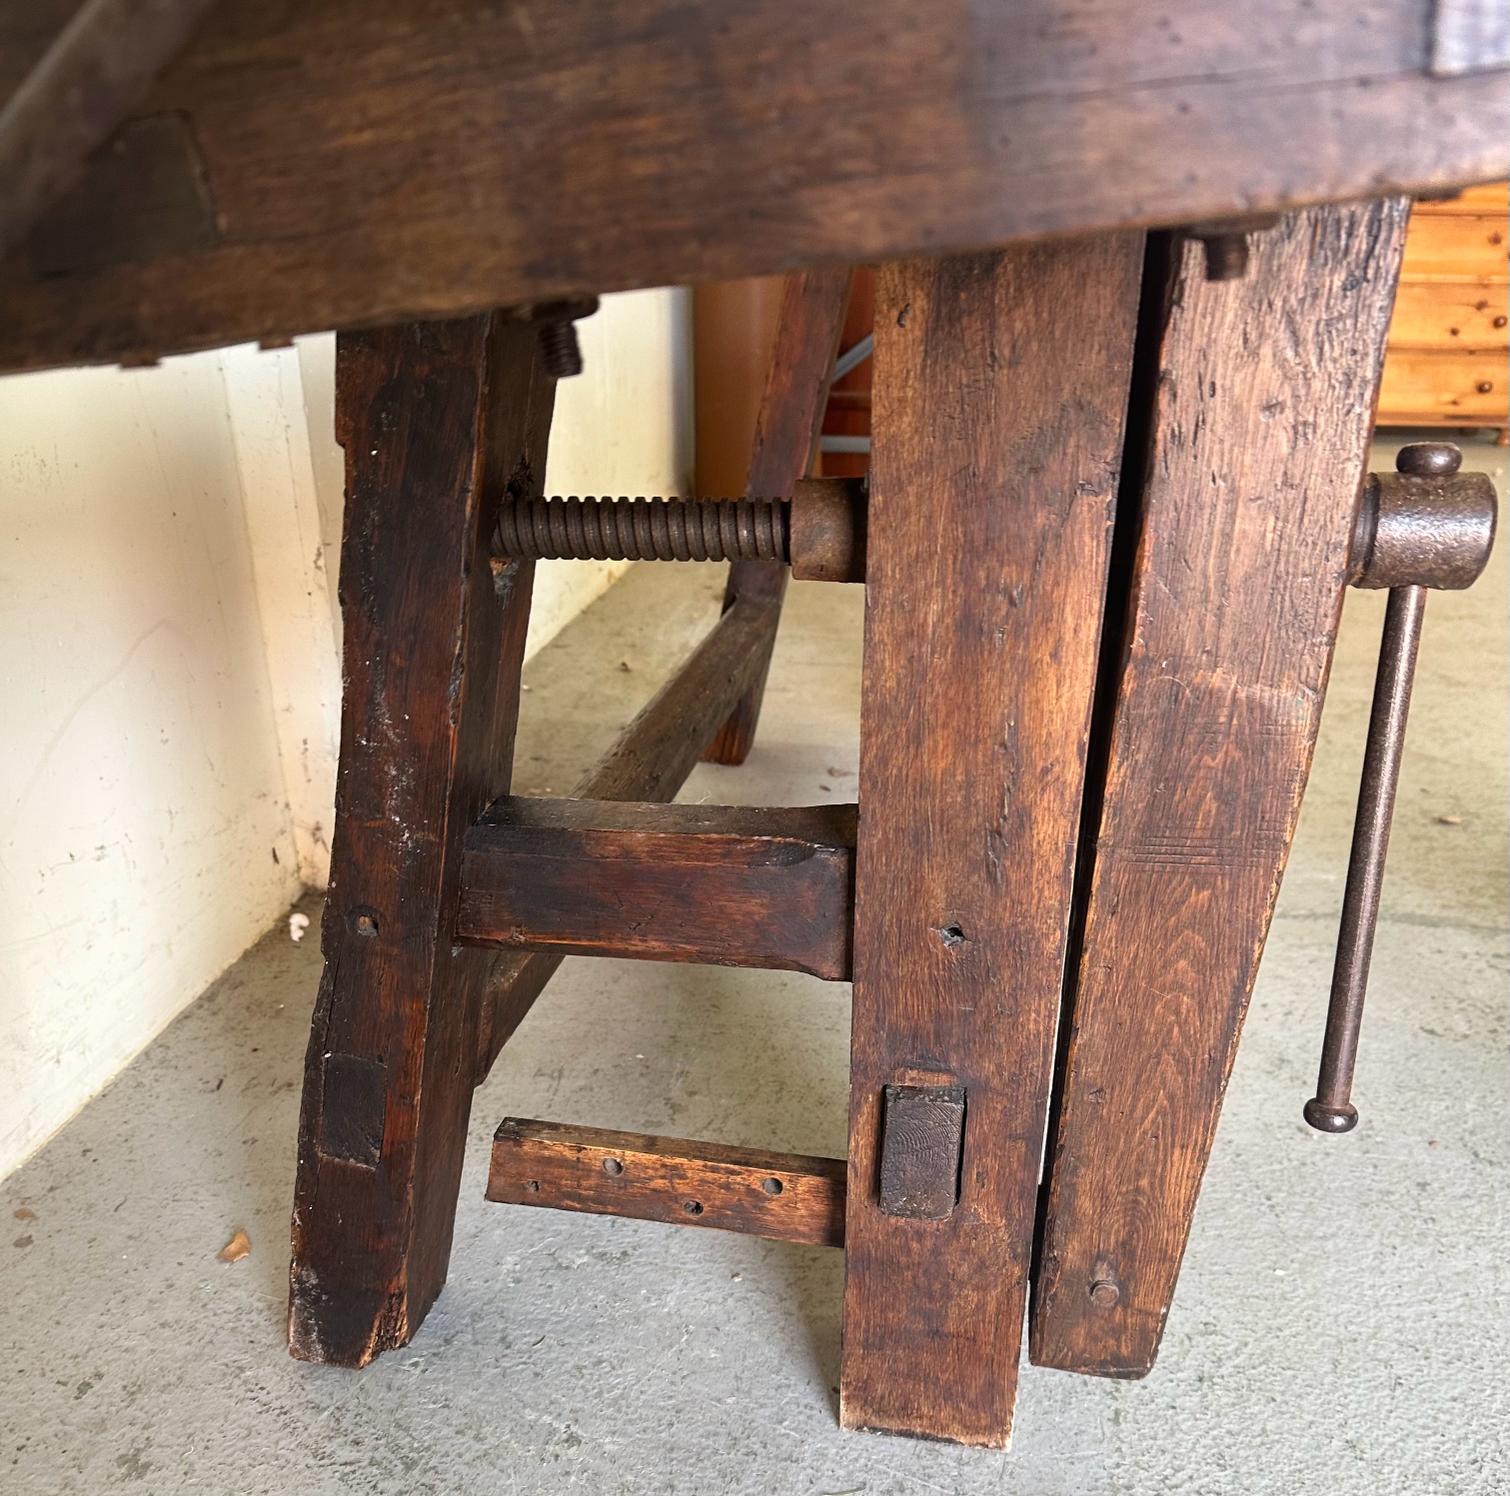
x=436, y=419
x=1258, y=434
x=791, y=410
x=1000, y=389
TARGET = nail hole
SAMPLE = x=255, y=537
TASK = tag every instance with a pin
x=533, y=1186
x=364, y=923
x=771, y=1186
x=952, y=935
x=612, y=1166
x=693, y=1207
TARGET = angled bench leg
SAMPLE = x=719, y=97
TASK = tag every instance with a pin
x=786, y=428
x=1000, y=390
x=1259, y=426
x=436, y=420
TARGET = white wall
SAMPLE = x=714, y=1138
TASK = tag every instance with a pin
x=169, y=666
x=622, y=426
x=144, y=833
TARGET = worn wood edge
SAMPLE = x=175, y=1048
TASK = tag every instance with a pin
x=649, y=760
x=383, y=1120
x=834, y=824
x=645, y=1177
x=1155, y=300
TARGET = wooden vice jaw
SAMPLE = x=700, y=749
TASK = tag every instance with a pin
x=1128, y=810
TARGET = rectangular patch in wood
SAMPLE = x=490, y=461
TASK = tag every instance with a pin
x=922, y=1139
x=351, y=1123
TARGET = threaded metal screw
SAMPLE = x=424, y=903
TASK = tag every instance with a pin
x=560, y=349
x=593, y=529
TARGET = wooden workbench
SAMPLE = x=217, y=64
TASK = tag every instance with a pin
x=1138, y=268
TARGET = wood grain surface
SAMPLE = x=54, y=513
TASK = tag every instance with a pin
x=726, y=885
x=784, y=1196
x=1000, y=390
x=435, y=419
x=1260, y=421
x=377, y=160
x=922, y=1137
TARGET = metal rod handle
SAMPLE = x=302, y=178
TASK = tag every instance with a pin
x=1331, y=1108
x=1426, y=527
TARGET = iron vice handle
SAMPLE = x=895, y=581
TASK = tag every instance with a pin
x=1424, y=526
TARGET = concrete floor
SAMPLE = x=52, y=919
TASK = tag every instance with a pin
x=1340, y=1326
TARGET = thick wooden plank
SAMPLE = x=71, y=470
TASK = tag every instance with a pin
x=98, y=68
x=1259, y=428
x=726, y=885
x=374, y=160
x=435, y=418
x=649, y=760
x=783, y=1196
x=1000, y=389
x=786, y=429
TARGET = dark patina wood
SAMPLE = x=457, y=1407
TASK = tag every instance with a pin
x=1000, y=385
x=727, y=885
x=786, y=429
x=435, y=418
x=922, y=1137
x=1258, y=433
x=147, y=191
x=98, y=66
x=650, y=760
x=783, y=1196
x=373, y=160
